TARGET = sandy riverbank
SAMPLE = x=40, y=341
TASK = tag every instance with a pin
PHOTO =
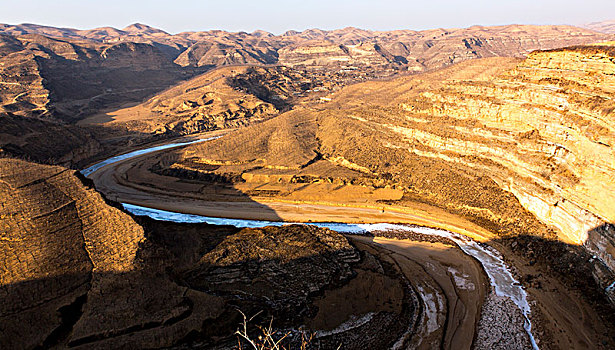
x=556, y=308
x=130, y=181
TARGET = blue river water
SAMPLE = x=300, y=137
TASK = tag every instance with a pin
x=500, y=276
x=88, y=171
x=497, y=270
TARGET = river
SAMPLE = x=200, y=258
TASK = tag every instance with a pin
x=502, y=280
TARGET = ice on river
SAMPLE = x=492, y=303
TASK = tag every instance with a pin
x=497, y=270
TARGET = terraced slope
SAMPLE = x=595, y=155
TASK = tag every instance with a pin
x=59, y=243
x=22, y=85
x=419, y=51
x=89, y=69
x=519, y=149
x=68, y=78
x=544, y=131
x=524, y=150
x=85, y=275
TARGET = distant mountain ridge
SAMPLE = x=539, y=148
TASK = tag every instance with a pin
x=603, y=27
x=46, y=70
x=420, y=50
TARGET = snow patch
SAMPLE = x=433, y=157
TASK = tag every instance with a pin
x=461, y=280
x=431, y=310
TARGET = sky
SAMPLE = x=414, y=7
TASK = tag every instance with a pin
x=176, y=16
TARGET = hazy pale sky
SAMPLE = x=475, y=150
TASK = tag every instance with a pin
x=176, y=16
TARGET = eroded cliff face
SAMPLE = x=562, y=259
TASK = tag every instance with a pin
x=544, y=131
x=322, y=53
x=525, y=150
x=547, y=126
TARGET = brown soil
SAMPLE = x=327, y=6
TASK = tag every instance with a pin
x=84, y=274
x=471, y=149
x=570, y=312
x=451, y=309
x=108, y=181
x=131, y=181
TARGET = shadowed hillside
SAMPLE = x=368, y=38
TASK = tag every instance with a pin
x=525, y=151
x=470, y=130
x=69, y=78
x=84, y=274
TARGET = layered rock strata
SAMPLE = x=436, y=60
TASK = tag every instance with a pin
x=83, y=274
x=524, y=150
x=547, y=129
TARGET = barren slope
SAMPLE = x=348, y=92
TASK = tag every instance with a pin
x=523, y=152
x=604, y=26
x=382, y=53
x=226, y=97
x=83, y=274
x=68, y=78
x=518, y=149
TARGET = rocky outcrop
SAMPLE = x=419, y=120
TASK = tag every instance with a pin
x=327, y=53
x=498, y=329
x=293, y=262
x=292, y=275
x=280, y=86
x=523, y=150
x=83, y=274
